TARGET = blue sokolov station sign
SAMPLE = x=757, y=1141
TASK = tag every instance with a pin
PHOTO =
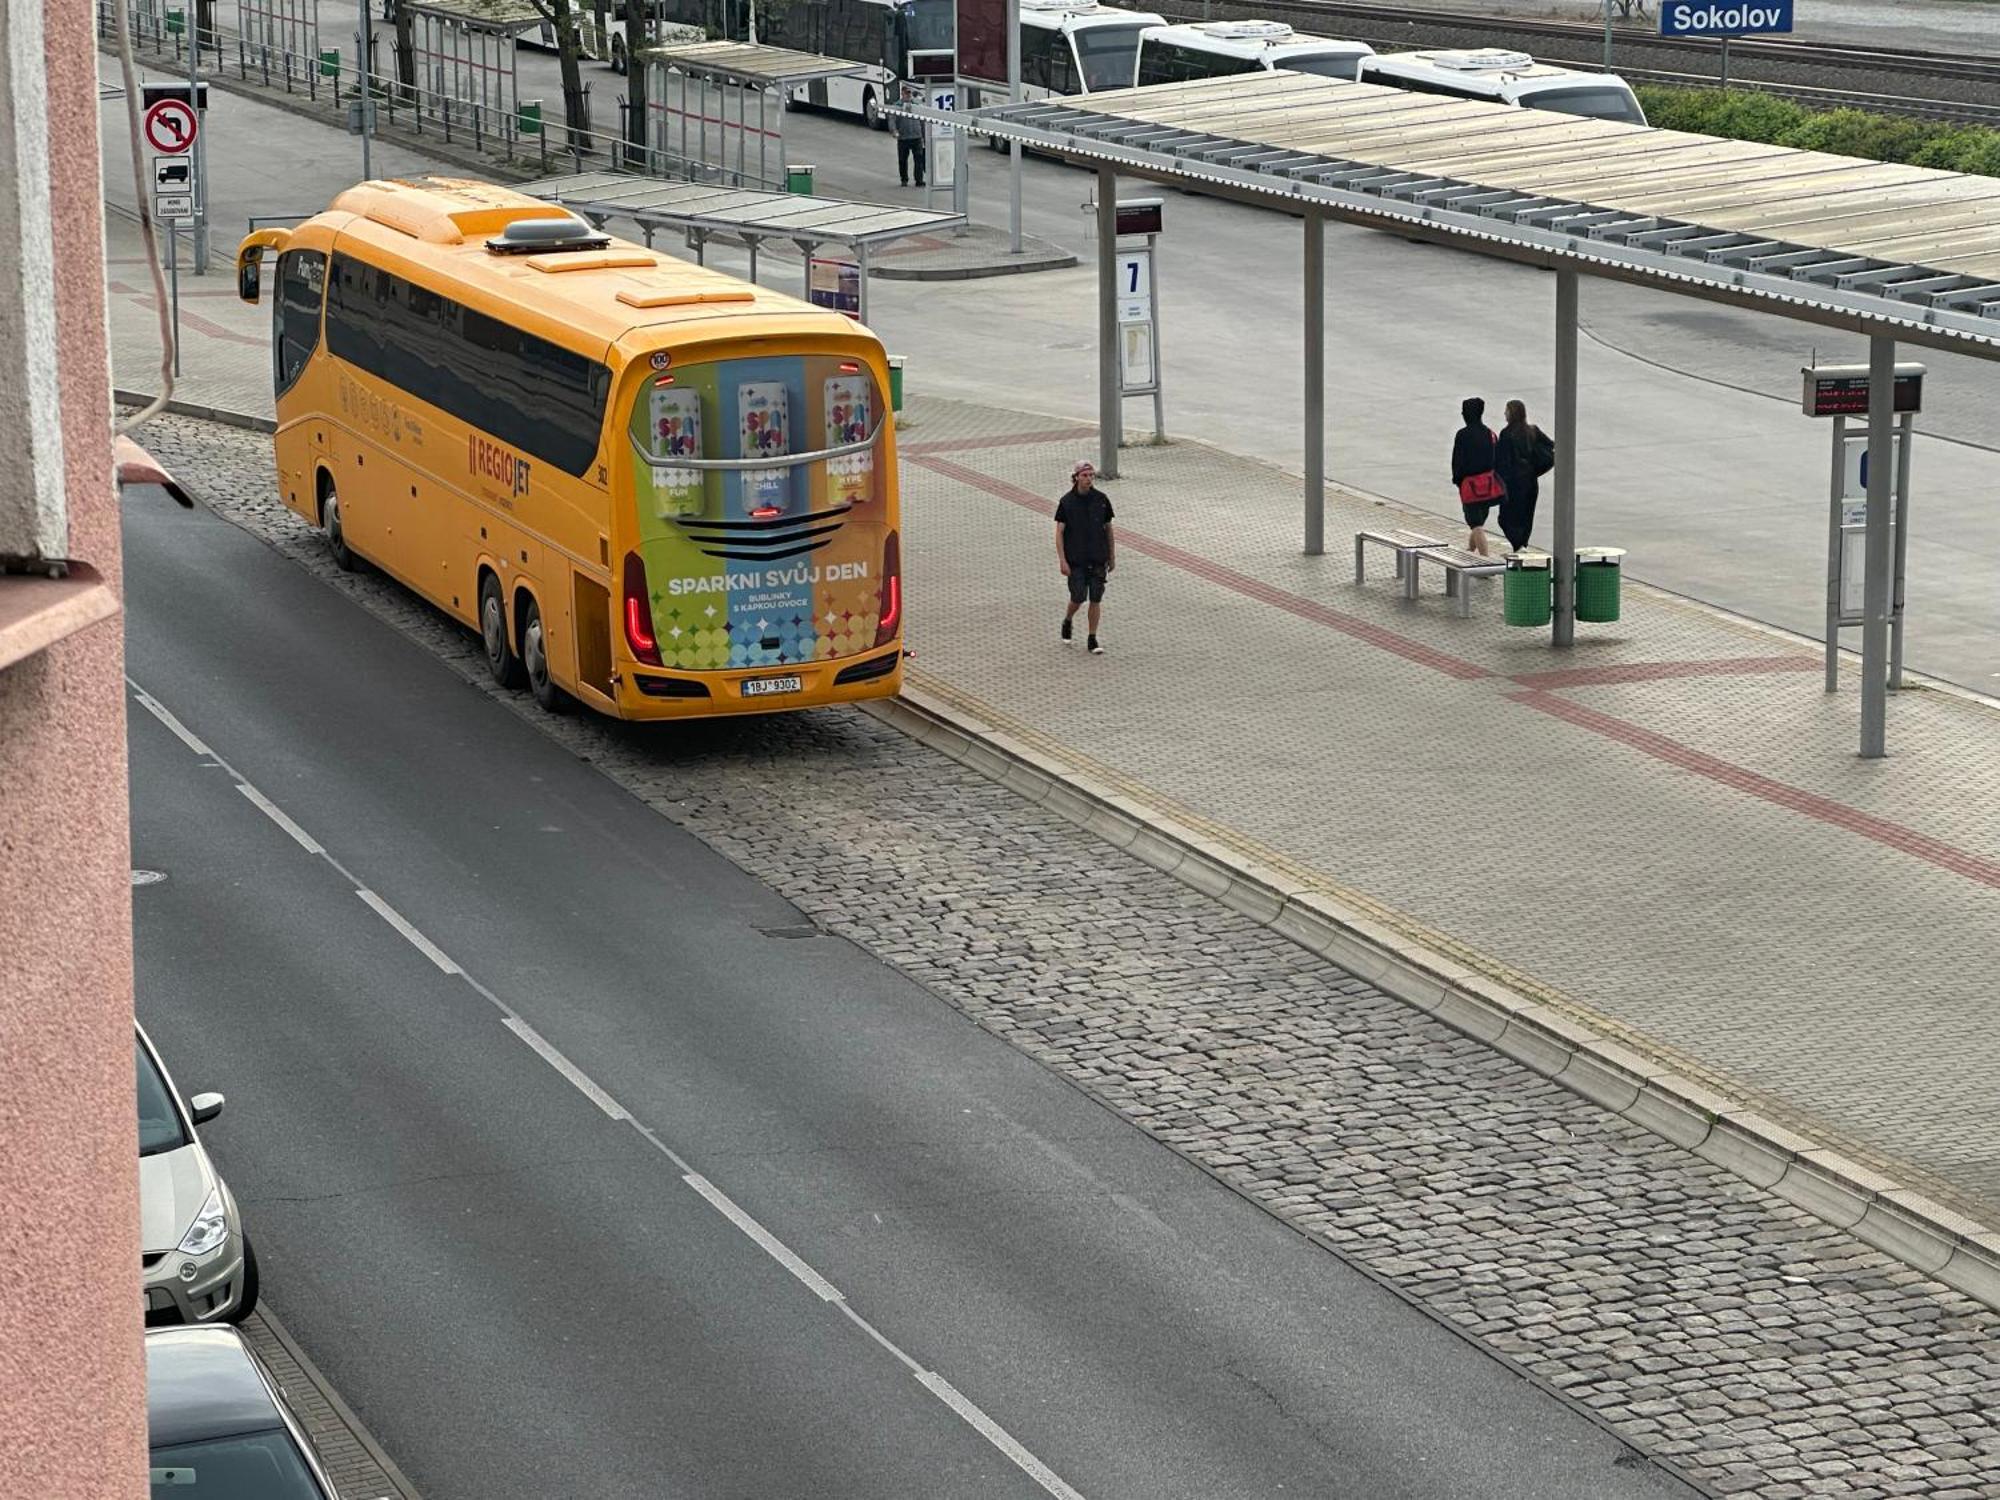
x=1725, y=17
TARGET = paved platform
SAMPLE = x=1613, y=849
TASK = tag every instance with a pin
x=1664, y=831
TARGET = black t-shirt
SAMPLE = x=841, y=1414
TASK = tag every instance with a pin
x=1086, y=522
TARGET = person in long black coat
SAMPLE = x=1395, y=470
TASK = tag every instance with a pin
x=1522, y=456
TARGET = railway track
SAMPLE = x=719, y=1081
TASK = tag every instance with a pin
x=1902, y=81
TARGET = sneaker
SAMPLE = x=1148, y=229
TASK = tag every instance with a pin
x=1095, y=649
x=1068, y=634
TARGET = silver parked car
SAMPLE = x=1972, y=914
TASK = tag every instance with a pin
x=218, y=1425
x=196, y=1264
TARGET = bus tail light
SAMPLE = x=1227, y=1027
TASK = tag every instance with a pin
x=639, y=613
x=891, y=619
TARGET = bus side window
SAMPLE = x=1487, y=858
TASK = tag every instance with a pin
x=1035, y=46
x=301, y=290
x=1062, y=63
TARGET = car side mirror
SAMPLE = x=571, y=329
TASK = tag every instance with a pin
x=205, y=1107
x=250, y=276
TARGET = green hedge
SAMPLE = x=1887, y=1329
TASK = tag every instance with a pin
x=1746, y=115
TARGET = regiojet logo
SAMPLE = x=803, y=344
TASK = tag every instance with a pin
x=491, y=461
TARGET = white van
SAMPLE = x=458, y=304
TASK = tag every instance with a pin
x=1218, y=49
x=1067, y=47
x=1502, y=77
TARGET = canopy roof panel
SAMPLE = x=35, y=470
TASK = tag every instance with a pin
x=1829, y=238
x=713, y=209
x=750, y=64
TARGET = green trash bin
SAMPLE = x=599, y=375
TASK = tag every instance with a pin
x=799, y=179
x=329, y=62
x=1597, y=571
x=530, y=120
x=1528, y=589
x=896, y=382
x=176, y=22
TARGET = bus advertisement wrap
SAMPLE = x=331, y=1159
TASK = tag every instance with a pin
x=755, y=566
x=1725, y=17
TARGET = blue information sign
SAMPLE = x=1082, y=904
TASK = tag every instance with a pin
x=1725, y=17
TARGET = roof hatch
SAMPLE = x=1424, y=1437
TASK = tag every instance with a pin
x=555, y=232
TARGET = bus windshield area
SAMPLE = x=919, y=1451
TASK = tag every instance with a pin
x=930, y=25
x=1107, y=56
x=1591, y=103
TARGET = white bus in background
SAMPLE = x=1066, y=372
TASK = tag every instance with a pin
x=1068, y=47
x=606, y=45
x=1502, y=77
x=899, y=41
x=1218, y=49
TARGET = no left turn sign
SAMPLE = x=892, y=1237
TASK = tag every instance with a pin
x=171, y=127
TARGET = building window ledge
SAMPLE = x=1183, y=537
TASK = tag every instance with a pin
x=35, y=613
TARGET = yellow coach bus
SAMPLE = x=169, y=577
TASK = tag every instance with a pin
x=650, y=487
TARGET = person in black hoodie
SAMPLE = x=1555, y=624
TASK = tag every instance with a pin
x=1474, y=452
x=1525, y=454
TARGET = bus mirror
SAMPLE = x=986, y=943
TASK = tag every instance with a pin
x=249, y=273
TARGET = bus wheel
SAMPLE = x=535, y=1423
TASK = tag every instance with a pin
x=535, y=657
x=871, y=111
x=336, y=539
x=500, y=658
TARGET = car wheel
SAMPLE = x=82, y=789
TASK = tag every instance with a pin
x=871, y=110
x=336, y=537
x=535, y=658
x=501, y=660
x=246, y=1301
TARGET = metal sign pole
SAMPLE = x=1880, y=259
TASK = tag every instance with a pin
x=1875, y=598
x=1014, y=147
x=1563, y=621
x=174, y=289
x=1159, y=370
x=1315, y=396
x=198, y=157
x=1607, y=36
x=1905, y=441
x=1836, y=494
x=367, y=61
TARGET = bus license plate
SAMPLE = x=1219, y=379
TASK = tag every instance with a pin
x=759, y=687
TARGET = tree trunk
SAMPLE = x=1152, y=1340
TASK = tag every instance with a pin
x=406, y=53
x=638, y=37
x=576, y=109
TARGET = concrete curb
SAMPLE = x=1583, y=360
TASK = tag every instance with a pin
x=1062, y=260
x=218, y=414
x=1906, y=1225
x=363, y=1439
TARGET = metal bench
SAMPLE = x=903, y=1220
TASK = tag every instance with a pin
x=1404, y=544
x=1460, y=568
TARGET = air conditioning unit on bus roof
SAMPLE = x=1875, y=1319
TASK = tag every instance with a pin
x=1244, y=31
x=1483, y=60
x=1068, y=7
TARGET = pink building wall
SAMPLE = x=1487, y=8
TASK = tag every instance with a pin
x=72, y=1366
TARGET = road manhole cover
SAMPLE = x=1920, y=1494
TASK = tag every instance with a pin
x=148, y=877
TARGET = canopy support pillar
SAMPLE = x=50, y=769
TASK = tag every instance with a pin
x=1110, y=415
x=1315, y=396
x=1563, y=631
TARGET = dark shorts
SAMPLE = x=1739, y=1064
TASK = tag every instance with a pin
x=1086, y=581
x=1475, y=515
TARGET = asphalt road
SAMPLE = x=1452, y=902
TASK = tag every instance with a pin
x=519, y=1291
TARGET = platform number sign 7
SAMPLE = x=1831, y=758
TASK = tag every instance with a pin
x=1135, y=285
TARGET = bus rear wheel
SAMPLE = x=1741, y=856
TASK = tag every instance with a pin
x=535, y=659
x=501, y=660
x=336, y=538
x=871, y=111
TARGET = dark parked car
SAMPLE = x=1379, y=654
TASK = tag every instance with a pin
x=219, y=1427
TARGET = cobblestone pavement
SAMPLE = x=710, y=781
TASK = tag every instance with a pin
x=1761, y=1351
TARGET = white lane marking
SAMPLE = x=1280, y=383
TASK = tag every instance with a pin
x=402, y=924
x=770, y=1243
x=180, y=731
x=564, y=1066
x=997, y=1435
x=276, y=814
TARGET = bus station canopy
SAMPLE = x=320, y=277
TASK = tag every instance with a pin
x=739, y=212
x=746, y=64
x=1868, y=246
x=503, y=17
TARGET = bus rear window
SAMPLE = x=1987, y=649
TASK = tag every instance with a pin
x=1591, y=103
